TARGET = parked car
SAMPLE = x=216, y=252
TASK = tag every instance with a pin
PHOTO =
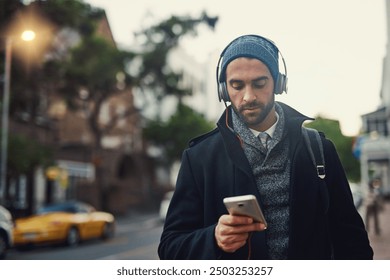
x=165, y=204
x=68, y=222
x=6, y=226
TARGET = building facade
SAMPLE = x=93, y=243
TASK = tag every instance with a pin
x=116, y=177
x=375, y=148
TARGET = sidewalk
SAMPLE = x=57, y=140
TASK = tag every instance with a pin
x=381, y=243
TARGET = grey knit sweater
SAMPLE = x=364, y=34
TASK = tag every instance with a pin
x=272, y=172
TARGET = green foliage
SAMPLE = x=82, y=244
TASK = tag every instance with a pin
x=93, y=70
x=94, y=65
x=25, y=154
x=343, y=145
x=155, y=74
x=174, y=135
x=7, y=10
x=28, y=84
x=72, y=13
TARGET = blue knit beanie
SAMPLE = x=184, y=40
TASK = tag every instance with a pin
x=251, y=46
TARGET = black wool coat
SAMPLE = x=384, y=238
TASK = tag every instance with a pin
x=324, y=223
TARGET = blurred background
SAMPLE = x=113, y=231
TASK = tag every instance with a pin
x=100, y=98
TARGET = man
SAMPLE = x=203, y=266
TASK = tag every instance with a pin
x=373, y=204
x=308, y=217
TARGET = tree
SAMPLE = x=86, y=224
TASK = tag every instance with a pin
x=343, y=145
x=97, y=78
x=81, y=73
x=96, y=70
x=155, y=76
x=56, y=69
x=173, y=136
x=154, y=73
x=27, y=87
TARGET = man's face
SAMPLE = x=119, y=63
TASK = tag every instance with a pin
x=250, y=86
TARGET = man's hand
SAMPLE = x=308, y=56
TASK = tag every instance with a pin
x=231, y=232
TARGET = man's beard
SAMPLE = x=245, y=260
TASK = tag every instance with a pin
x=251, y=121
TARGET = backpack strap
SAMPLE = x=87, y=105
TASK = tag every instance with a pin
x=314, y=146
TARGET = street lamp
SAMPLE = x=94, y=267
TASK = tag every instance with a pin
x=27, y=35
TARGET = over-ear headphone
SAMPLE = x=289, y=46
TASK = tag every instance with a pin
x=280, y=85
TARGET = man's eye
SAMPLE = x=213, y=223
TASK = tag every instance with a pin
x=259, y=84
x=237, y=85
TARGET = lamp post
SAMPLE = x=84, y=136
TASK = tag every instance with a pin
x=27, y=35
x=4, y=123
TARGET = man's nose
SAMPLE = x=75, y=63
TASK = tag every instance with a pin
x=249, y=94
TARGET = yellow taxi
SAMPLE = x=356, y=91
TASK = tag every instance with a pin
x=68, y=222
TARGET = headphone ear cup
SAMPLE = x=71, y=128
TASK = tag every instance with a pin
x=223, y=92
x=281, y=84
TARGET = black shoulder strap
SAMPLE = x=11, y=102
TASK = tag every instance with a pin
x=315, y=148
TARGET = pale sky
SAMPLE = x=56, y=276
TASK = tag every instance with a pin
x=333, y=48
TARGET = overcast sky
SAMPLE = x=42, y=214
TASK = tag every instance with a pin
x=333, y=48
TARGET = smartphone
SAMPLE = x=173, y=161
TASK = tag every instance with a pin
x=245, y=205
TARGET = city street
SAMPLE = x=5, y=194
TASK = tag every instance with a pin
x=137, y=236
x=381, y=243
